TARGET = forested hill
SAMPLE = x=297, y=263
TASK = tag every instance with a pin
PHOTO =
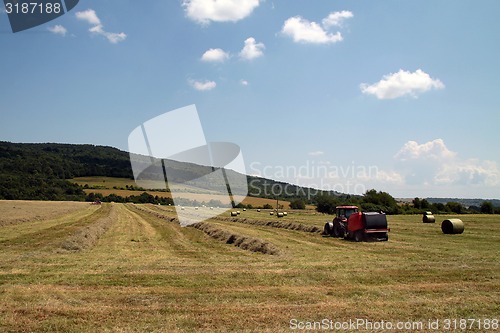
x=64, y=161
x=39, y=171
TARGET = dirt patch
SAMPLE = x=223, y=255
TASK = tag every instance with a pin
x=241, y=241
x=88, y=236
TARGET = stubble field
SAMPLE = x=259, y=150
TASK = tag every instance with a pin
x=131, y=268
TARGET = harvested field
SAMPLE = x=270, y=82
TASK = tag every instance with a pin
x=88, y=236
x=18, y=211
x=147, y=274
x=275, y=224
x=241, y=241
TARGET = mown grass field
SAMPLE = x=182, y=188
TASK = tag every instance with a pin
x=113, y=185
x=141, y=272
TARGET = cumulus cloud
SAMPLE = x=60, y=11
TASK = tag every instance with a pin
x=301, y=30
x=91, y=18
x=435, y=150
x=432, y=163
x=402, y=83
x=203, y=85
x=304, y=31
x=58, y=30
x=204, y=11
x=252, y=49
x=215, y=55
x=88, y=16
x=336, y=19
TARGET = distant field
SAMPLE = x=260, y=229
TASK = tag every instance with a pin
x=146, y=274
x=106, y=185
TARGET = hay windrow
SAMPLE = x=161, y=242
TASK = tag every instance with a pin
x=274, y=224
x=88, y=236
x=241, y=241
x=155, y=213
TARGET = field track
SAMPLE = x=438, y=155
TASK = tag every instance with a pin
x=141, y=272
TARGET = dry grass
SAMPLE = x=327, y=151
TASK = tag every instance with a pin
x=274, y=224
x=18, y=211
x=241, y=241
x=146, y=274
x=87, y=236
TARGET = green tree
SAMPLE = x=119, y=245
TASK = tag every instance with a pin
x=487, y=207
x=455, y=207
x=297, y=204
x=325, y=203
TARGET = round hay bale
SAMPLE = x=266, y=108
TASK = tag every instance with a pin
x=428, y=213
x=452, y=226
x=271, y=213
x=238, y=212
x=258, y=210
x=280, y=214
x=234, y=214
x=428, y=218
x=285, y=213
x=244, y=209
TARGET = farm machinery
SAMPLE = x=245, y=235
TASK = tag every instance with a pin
x=349, y=223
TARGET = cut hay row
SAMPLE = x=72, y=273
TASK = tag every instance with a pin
x=274, y=224
x=155, y=213
x=88, y=236
x=241, y=241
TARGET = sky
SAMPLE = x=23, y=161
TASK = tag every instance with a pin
x=399, y=96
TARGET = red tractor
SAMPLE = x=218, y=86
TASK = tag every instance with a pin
x=349, y=223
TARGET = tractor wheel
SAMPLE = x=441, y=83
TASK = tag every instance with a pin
x=338, y=230
x=359, y=236
x=327, y=230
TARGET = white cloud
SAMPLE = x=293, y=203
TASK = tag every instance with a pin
x=301, y=30
x=203, y=85
x=91, y=17
x=402, y=83
x=316, y=153
x=204, y=11
x=58, y=30
x=435, y=150
x=433, y=164
x=252, y=49
x=244, y=82
x=336, y=19
x=215, y=55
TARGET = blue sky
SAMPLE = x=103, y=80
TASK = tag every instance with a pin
x=400, y=96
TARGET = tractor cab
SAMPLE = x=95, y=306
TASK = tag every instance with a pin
x=343, y=212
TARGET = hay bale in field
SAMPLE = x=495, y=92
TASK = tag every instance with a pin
x=234, y=213
x=271, y=213
x=285, y=213
x=258, y=210
x=244, y=209
x=452, y=226
x=428, y=218
x=238, y=212
x=280, y=214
